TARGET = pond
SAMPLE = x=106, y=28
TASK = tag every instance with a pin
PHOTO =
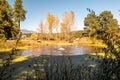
x=60, y=50
x=56, y=50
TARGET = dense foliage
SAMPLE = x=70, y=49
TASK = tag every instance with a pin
x=19, y=12
x=8, y=24
x=105, y=27
x=96, y=25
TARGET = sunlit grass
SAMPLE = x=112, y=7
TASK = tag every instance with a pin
x=102, y=55
x=20, y=59
x=98, y=54
x=5, y=50
x=18, y=48
x=94, y=45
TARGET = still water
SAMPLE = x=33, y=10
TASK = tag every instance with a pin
x=60, y=50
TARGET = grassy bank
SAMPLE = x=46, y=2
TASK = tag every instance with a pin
x=39, y=64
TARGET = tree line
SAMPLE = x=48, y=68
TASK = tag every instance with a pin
x=10, y=18
x=95, y=25
x=54, y=26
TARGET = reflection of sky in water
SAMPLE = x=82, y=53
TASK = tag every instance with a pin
x=60, y=50
x=77, y=50
x=26, y=52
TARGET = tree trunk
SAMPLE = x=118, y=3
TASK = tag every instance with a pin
x=19, y=24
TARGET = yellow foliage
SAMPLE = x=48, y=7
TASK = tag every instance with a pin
x=33, y=36
x=50, y=18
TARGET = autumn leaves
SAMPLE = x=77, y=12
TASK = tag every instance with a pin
x=56, y=25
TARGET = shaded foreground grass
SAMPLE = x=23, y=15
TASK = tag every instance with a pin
x=50, y=67
x=82, y=67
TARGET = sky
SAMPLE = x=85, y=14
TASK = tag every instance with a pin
x=38, y=9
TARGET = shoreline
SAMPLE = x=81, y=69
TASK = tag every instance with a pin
x=53, y=44
x=26, y=44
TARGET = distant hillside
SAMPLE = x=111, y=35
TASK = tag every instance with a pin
x=24, y=31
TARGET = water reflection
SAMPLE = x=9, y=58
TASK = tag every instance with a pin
x=60, y=50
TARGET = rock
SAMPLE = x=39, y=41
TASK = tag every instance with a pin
x=61, y=49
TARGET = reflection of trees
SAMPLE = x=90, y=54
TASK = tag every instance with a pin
x=45, y=50
x=92, y=49
x=50, y=50
x=34, y=51
x=68, y=50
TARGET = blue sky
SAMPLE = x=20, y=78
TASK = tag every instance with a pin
x=38, y=9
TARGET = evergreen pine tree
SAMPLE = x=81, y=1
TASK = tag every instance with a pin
x=19, y=12
x=5, y=19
